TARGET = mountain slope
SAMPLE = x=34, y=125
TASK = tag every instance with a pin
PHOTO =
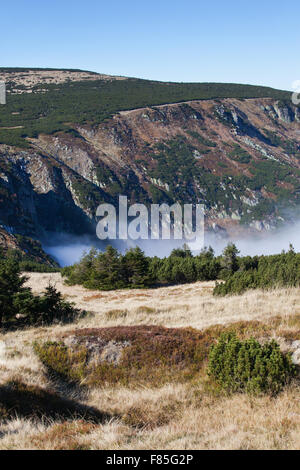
x=80, y=143
x=47, y=101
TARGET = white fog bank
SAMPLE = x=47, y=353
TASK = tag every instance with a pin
x=68, y=249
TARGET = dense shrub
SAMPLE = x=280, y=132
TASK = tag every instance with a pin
x=19, y=306
x=50, y=307
x=11, y=284
x=263, y=272
x=112, y=270
x=249, y=366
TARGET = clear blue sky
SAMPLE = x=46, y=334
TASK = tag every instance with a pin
x=255, y=41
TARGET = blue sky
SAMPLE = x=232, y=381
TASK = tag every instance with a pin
x=241, y=41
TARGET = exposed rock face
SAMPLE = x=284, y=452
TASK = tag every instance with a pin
x=98, y=349
x=241, y=158
x=292, y=347
x=285, y=113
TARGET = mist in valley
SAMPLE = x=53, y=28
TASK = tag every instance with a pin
x=266, y=243
x=67, y=249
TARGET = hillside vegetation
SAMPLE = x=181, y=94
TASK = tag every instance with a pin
x=27, y=253
x=54, y=107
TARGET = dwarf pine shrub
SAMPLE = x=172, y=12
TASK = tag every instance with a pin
x=249, y=366
x=20, y=307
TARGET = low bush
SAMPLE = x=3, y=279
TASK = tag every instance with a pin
x=249, y=366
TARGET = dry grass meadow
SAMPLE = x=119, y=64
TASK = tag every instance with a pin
x=188, y=415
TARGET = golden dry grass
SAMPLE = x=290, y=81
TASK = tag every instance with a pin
x=177, y=306
x=174, y=416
